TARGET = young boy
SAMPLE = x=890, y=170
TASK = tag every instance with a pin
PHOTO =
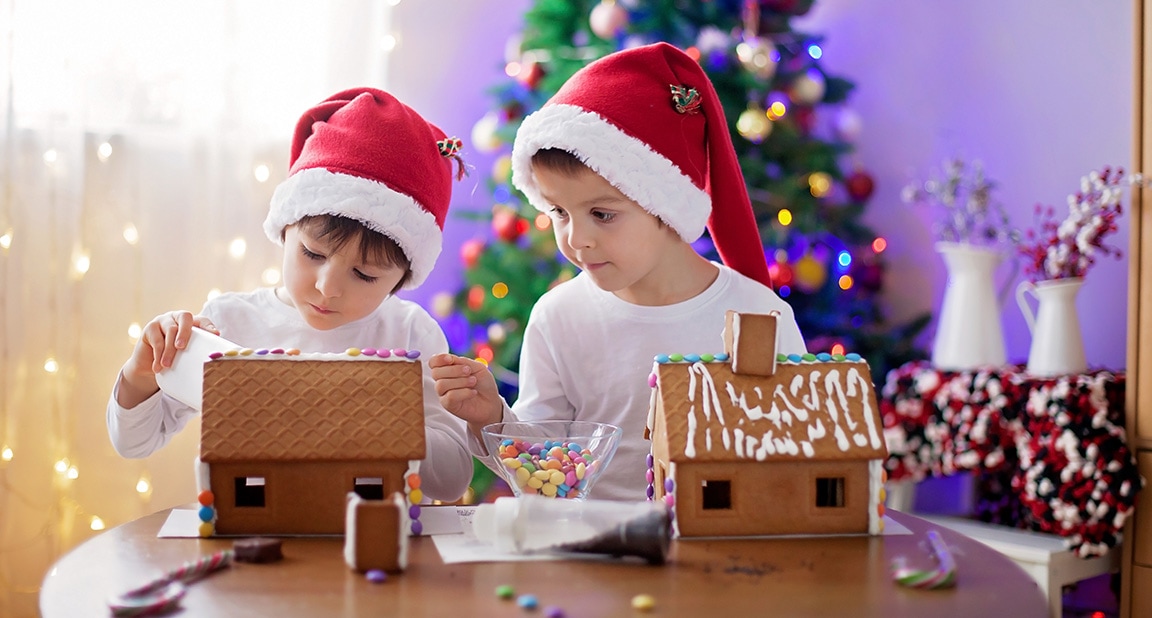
x=360, y=216
x=630, y=158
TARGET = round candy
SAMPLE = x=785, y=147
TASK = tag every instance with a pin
x=505, y=592
x=417, y=527
x=643, y=602
x=554, y=612
x=527, y=601
x=206, y=529
x=207, y=513
x=376, y=576
x=415, y=496
x=206, y=498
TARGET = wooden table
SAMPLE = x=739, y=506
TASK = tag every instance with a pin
x=795, y=577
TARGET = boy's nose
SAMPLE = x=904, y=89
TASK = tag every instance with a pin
x=580, y=236
x=326, y=284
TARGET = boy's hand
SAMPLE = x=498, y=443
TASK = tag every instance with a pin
x=466, y=389
x=160, y=340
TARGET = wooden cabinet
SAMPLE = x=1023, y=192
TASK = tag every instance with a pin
x=1136, y=586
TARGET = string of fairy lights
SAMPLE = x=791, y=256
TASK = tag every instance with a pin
x=78, y=207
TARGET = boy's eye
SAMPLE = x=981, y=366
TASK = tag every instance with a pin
x=558, y=212
x=312, y=255
x=603, y=216
x=365, y=278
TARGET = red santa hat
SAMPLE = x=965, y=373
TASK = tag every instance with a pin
x=364, y=155
x=649, y=121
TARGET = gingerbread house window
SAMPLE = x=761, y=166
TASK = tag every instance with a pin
x=250, y=491
x=830, y=492
x=716, y=495
x=369, y=488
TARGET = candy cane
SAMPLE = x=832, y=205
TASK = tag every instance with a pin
x=165, y=592
x=943, y=576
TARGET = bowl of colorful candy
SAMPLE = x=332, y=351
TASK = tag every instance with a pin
x=556, y=459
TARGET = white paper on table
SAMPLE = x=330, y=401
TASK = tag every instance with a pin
x=457, y=548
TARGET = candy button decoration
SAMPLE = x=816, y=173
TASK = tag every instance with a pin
x=551, y=468
x=643, y=602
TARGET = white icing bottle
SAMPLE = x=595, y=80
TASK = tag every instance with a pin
x=533, y=524
x=184, y=380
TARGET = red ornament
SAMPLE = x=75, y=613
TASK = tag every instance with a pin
x=530, y=74
x=507, y=225
x=859, y=185
x=470, y=252
x=803, y=117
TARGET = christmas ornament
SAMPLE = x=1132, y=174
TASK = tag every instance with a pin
x=848, y=124
x=475, y=297
x=484, y=133
x=711, y=39
x=809, y=274
x=608, y=19
x=753, y=124
x=497, y=333
x=470, y=252
x=508, y=225
x=808, y=88
x=758, y=56
x=859, y=185
x=781, y=274
x=443, y=305
x=869, y=275
x=804, y=118
x=530, y=74
x=502, y=170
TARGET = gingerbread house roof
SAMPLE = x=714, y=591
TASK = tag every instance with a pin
x=282, y=408
x=750, y=404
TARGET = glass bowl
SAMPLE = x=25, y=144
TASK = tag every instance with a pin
x=556, y=459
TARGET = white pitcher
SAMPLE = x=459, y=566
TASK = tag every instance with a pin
x=968, y=334
x=1057, y=345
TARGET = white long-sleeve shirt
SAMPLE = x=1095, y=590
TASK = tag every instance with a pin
x=587, y=355
x=258, y=319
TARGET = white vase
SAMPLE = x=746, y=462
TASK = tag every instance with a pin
x=968, y=334
x=1057, y=344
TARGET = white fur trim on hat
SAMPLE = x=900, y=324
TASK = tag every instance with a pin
x=633, y=167
x=317, y=191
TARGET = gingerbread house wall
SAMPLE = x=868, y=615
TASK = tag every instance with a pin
x=299, y=498
x=766, y=498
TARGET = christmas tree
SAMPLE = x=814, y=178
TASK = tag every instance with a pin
x=793, y=130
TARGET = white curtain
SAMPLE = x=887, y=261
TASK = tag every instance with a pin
x=139, y=143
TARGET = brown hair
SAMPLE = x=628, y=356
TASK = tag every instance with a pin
x=560, y=161
x=375, y=248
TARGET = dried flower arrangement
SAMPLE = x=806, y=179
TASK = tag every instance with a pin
x=1068, y=248
x=971, y=216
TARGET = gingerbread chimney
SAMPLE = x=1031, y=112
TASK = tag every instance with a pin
x=750, y=341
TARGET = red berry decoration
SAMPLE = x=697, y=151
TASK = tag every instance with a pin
x=859, y=185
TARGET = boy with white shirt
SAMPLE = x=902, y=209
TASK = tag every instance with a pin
x=631, y=159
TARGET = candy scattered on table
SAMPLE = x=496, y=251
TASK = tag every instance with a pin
x=643, y=602
x=505, y=592
x=943, y=576
x=376, y=576
x=527, y=601
x=554, y=612
x=551, y=468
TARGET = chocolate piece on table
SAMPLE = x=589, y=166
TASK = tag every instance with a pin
x=259, y=549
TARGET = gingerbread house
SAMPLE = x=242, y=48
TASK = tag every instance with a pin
x=751, y=443
x=286, y=437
